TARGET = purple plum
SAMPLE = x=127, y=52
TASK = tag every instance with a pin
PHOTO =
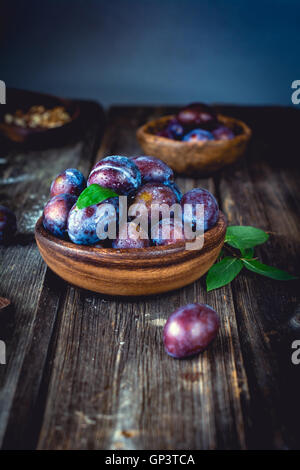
x=153, y=169
x=70, y=181
x=197, y=115
x=84, y=224
x=223, y=133
x=117, y=173
x=155, y=193
x=131, y=236
x=190, y=329
x=56, y=212
x=211, y=208
x=175, y=128
x=198, y=135
x=174, y=229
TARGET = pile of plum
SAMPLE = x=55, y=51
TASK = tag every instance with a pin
x=144, y=180
x=195, y=123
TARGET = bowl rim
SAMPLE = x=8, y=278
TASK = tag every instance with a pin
x=212, y=237
x=70, y=105
x=143, y=131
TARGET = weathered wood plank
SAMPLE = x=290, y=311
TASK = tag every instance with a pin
x=113, y=386
x=262, y=191
x=24, y=187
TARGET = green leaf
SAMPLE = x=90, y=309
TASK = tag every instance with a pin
x=269, y=271
x=247, y=252
x=223, y=273
x=242, y=236
x=94, y=194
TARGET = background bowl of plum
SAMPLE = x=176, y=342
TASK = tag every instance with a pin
x=136, y=261
x=196, y=141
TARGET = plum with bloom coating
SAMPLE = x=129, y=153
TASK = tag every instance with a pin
x=138, y=238
x=223, y=133
x=211, y=208
x=8, y=224
x=174, y=232
x=82, y=223
x=156, y=193
x=166, y=133
x=190, y=329
x=117, y=173
x=197, y=115
x=56, y=212
x=198, y=135
x=70, y=181
x=154, y=169
x=175, y=128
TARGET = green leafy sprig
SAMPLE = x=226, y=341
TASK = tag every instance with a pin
x=94, y=194
x=243, y=239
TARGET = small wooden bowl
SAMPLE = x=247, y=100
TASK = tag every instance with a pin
x=24, y=100
x=130, y=272
x=194, y=158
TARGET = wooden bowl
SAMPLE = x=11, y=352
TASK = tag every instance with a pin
x=24, y=100
x=194, y=158
x=130, y=272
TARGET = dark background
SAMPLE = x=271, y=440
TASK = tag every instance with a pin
x=152, y=51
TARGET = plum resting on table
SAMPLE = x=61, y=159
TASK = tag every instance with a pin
x=211, y=208
x=83, y=223
x=56, y=212
x=117, y=173
x=70, y=181
x=131, y=236
x=154, y=169
x=198, y=135
x=8, y=224
x=190, y=329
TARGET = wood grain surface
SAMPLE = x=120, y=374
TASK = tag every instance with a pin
x=89, y=371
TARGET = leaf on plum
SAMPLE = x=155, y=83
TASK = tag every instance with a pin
x=94, y=194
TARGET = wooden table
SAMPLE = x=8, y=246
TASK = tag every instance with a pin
x=86, y=371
